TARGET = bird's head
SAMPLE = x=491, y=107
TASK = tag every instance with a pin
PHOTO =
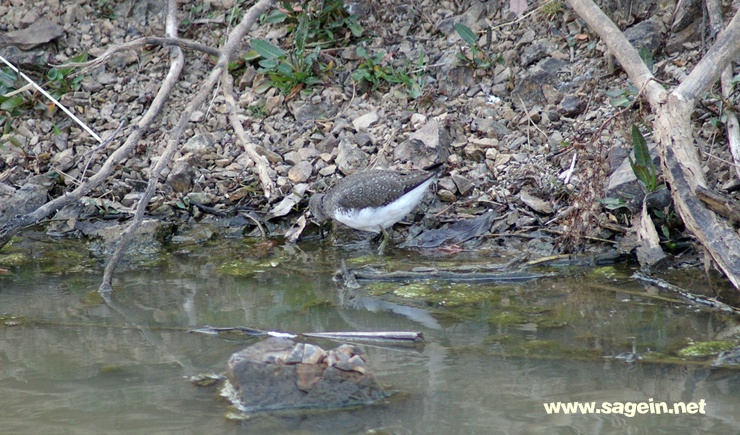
x=316, y=207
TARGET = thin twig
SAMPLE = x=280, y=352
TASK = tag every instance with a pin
x=138, y=43
x=529, y=118
x=91, y=152
x=697, y=299
x=261, y=164
x=54, y=100
x=226, y=53
x=259, y=225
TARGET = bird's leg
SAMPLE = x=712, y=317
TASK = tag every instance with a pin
x=384, y=243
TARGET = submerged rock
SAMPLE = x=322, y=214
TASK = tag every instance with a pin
x=278, y=373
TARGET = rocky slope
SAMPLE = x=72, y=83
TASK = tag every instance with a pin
x=531, y=125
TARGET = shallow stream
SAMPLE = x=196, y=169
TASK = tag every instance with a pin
x=495, y=353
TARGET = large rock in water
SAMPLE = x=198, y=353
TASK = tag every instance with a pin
x=278, y=373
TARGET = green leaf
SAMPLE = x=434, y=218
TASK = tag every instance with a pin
x=269, y=64
x=301, y=33
x=12, y=103
x=54, y=74
x=646, y=57
x=276, y=16
x=620, y=101
x=361, y=52
x=642, y=153
x=414, y=90
x=466, y=34
x=643, y=165
x=251, y=55
x=7, y=77
x=736, y=80
x=361, y=74
x=356, y=29
x=267, y=50
x=82, y=57
x=641, y=172
x=615, y=93
x=612, y=203
x=285, y=69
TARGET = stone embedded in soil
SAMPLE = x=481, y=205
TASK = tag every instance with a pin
x=307, y=153
x=300, y=173
x=691, y=33
x=180, y=178
x=645, y=34
x=447, y=183
x=529, y=86
x=428, y=145
x=328, y=170
x=63, y=160
x=362, y=139
x=104, y=236
x=446, y=195
x=25, y=200
x=199, y=144
x=291, y=157
x=686, y=13
x=464, y=186
x=350, y=158
x=40, y=32
x=571, y=106
x=203, y=198
x=274, y=374
x=535, y=203
x=537, y=51
x=365, y=121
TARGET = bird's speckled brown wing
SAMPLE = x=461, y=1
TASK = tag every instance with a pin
x=375, y=188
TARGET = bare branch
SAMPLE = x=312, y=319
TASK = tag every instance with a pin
x=12, y=227
x=719, y=56
x=138, y=43
x=224, y=57
x=178, y=61
x=260, y=162
x=620, y=48
x=673, y=132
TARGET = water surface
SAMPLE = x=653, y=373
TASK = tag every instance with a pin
x=495, y=353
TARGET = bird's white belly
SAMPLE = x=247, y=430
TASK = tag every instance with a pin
x=374, y=218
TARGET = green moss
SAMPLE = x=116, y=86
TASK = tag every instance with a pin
x=534, y=310
x=705, y=349
x=455, y=298
x=540, y=346
x=111, y=370
x=604, y=272
x=508, y=318
x=380, y=288
x=414, y=291
x=92, y=298
x=550, y=324
x=64, y=255
x=363, y=260
x=239, y=268
x=16, y=259
x=500, y=339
